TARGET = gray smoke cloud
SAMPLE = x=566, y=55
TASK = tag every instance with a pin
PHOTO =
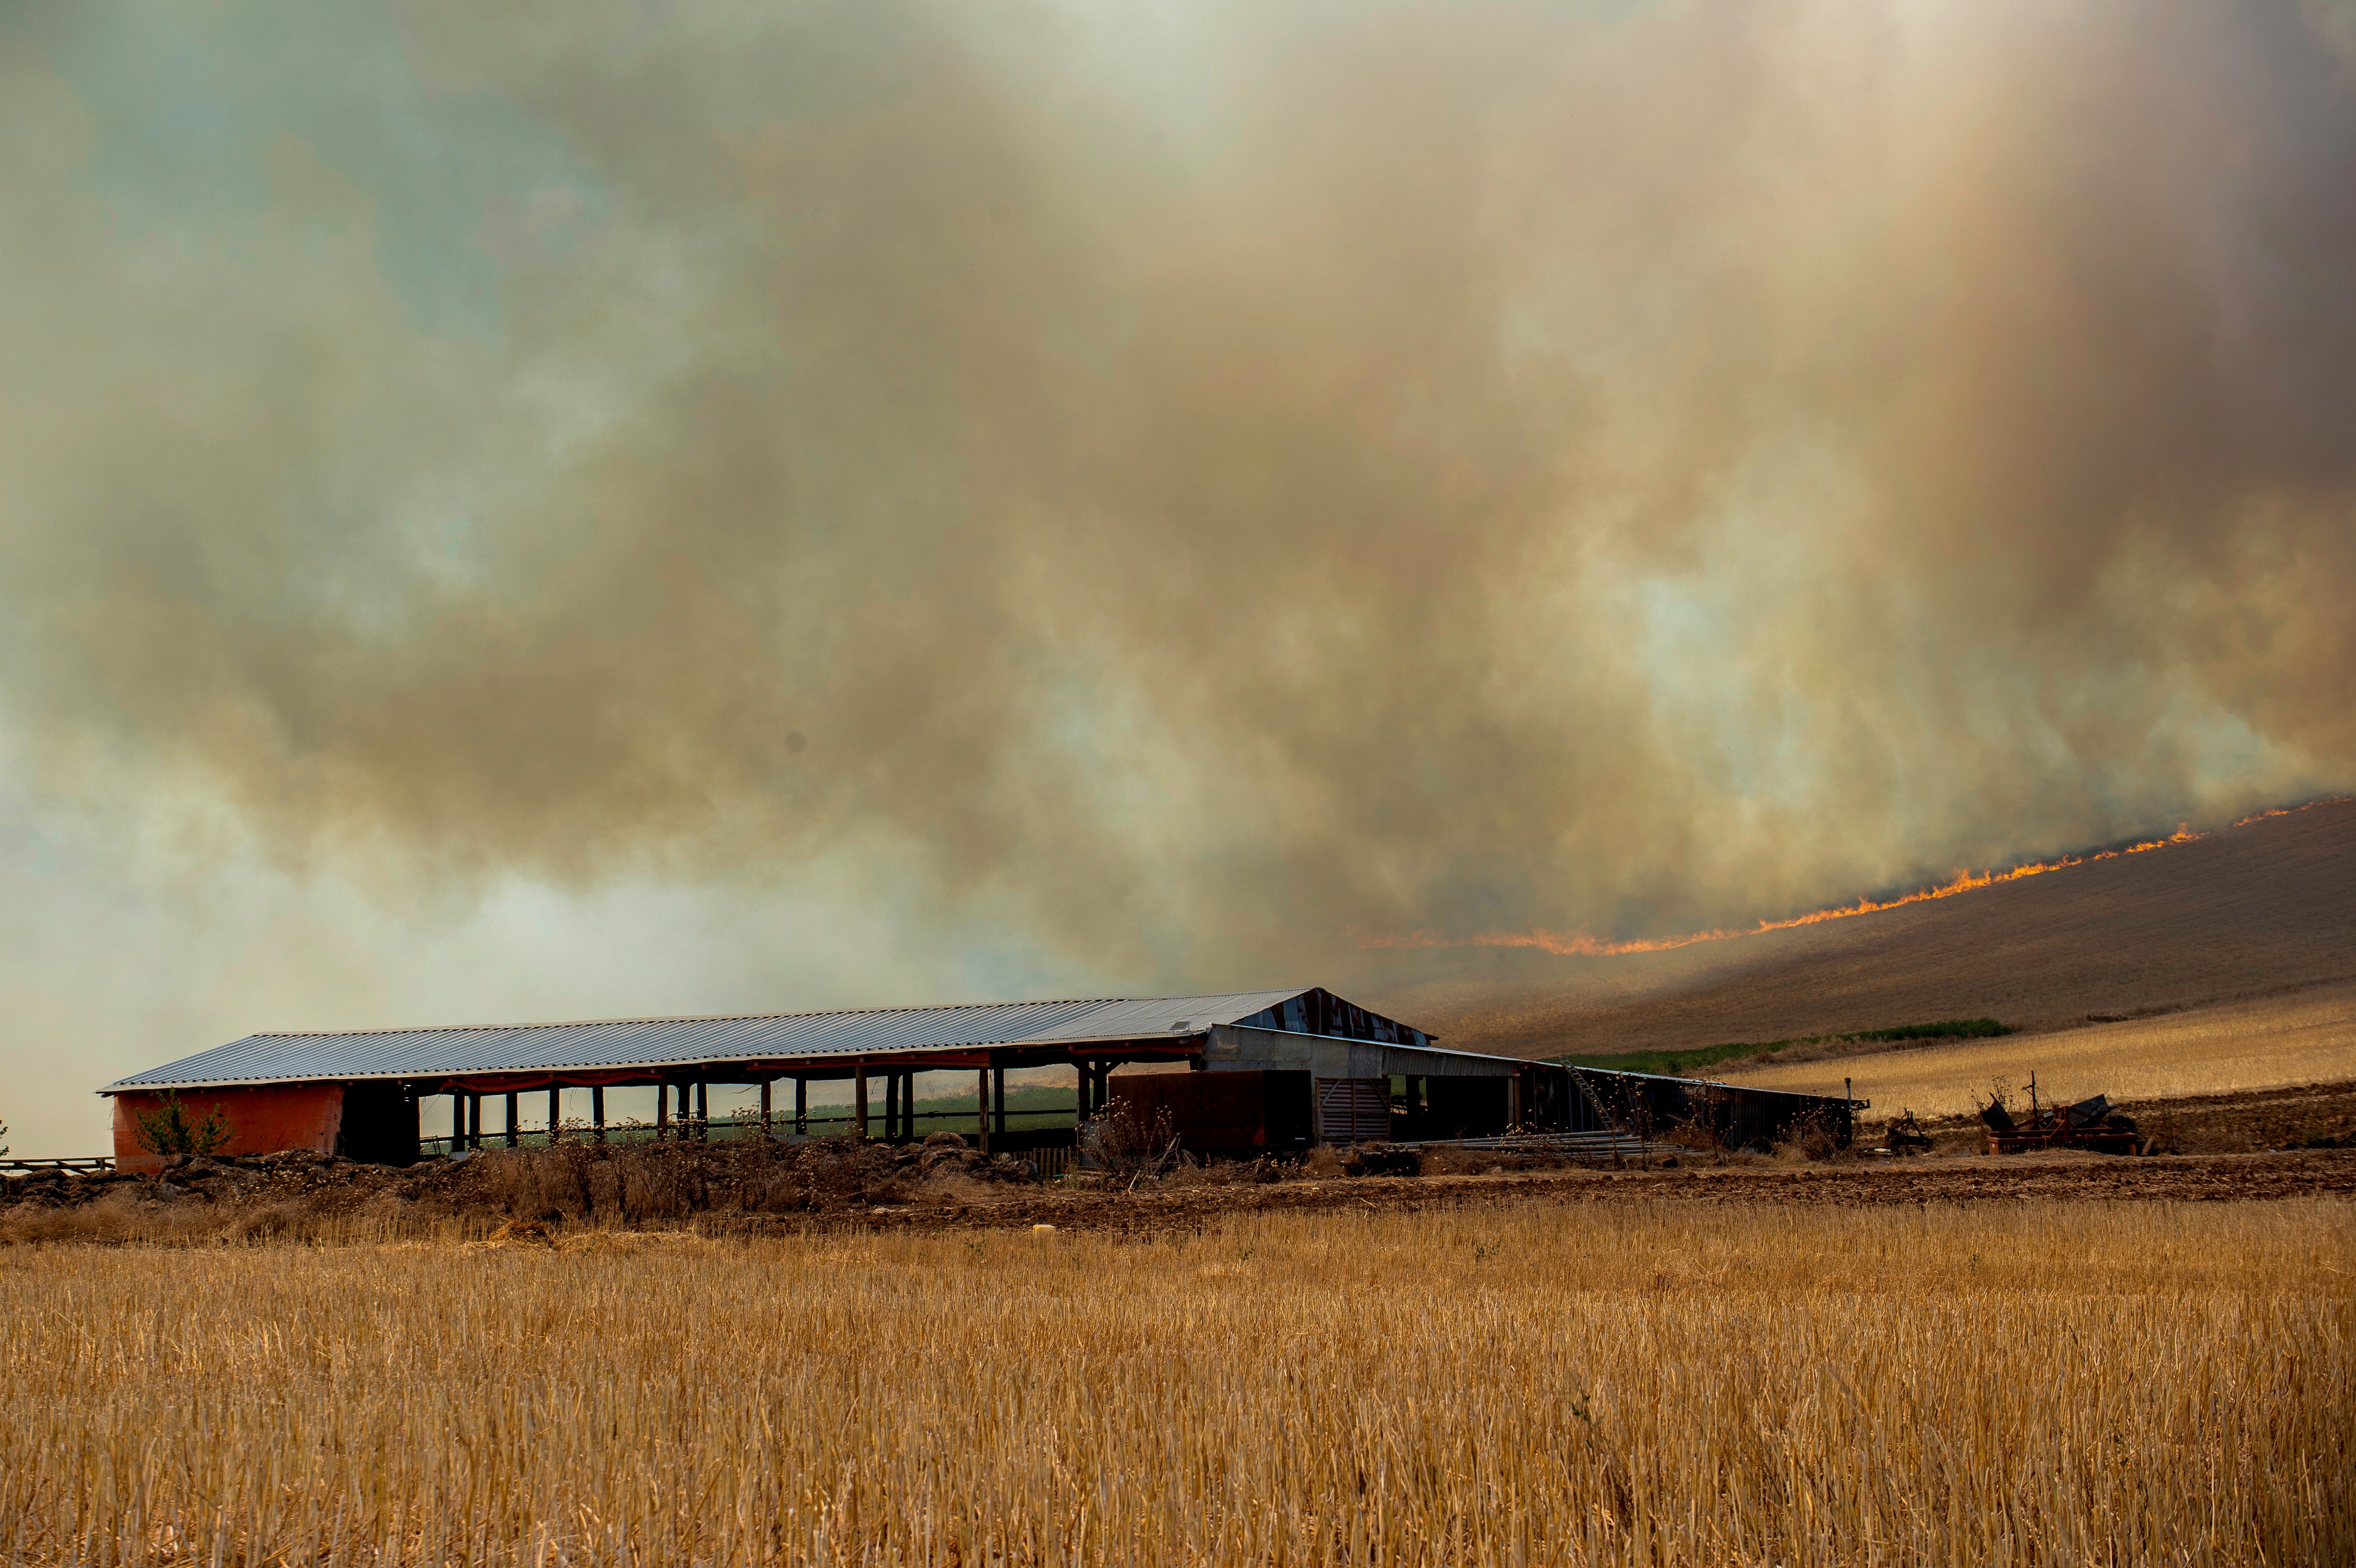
x=1201, y=488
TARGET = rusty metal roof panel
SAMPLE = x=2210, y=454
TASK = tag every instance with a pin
x=656, y=1043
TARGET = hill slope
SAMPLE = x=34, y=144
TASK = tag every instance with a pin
x=2247, y=911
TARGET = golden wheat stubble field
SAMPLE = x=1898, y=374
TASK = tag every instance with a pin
x=2306, y=1037
x=1528, y=1384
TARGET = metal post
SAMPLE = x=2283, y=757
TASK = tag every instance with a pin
x=511, y=1119
x=858, y=1101
x=802, y=1106
x=598, y=1110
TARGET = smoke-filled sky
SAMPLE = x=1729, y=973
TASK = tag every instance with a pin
x=601, y=508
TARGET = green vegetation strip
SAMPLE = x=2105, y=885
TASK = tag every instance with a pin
x=1682, y=1064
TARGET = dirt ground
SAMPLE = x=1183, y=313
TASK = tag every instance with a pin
x=2016, y=1178
x=2279, y=1144
x=2315, y=1116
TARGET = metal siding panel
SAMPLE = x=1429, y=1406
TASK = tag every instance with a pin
x=1352, y=1110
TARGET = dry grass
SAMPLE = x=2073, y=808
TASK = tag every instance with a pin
x=2305, y=1038
x=1533, y=1384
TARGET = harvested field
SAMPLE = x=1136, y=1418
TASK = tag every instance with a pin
x=2271, y=1042
x=1528, y=1382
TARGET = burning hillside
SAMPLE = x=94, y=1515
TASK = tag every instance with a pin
x=1579, y=944
x=2267, y=904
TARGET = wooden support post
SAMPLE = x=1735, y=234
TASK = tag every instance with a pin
x=598, y=1110
x=662, y=1112
x=998, y=1095
x=890, y=1107
x=474, y=1121
x=765, y=1107
x=555, y=1112
x=981, y=1110
x=802, y=1106
x=858, y=1101
x=702, y=1110
x=511, y=1120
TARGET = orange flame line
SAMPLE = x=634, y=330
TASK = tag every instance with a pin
x=1577, y=945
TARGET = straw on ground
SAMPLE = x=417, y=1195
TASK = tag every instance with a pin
x=1531, y=1384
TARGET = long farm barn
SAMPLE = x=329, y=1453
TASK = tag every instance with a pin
x=1244, y=1073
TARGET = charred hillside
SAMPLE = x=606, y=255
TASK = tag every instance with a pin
x=2265, y=906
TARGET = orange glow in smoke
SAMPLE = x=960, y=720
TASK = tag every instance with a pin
x=1580, y=945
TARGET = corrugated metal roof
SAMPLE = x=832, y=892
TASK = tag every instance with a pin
x=656, y=1042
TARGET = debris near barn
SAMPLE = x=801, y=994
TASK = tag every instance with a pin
x=298, y=1192
x=2090, y=1123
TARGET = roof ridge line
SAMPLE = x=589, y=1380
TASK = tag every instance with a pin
x=688, y=1018
x=736, y=1018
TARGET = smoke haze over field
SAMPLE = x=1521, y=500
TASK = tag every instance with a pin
x=708, y=506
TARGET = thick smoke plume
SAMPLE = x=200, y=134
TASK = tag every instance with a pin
x=1196, y=489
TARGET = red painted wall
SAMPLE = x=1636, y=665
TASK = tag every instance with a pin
x=261, y=1120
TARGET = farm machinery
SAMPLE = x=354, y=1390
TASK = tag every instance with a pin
x=2088, y=1125
x=1906, y=1136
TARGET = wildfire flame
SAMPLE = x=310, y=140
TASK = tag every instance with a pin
x=1578, y=945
